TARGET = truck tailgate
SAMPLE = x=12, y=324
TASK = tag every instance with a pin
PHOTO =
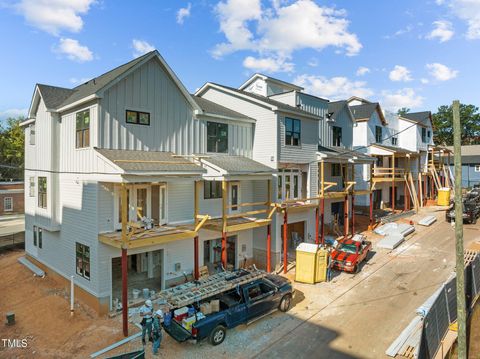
x=177, y=332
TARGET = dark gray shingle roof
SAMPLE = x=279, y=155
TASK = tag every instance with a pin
x=150, y=161
x=343, y=154
x=422, y=117
x=280, y=105
x=53, y=96
x=363, y=111
x=216, y=109
x=237, y=164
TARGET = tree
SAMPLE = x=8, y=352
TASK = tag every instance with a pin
x=402, y=111
x=443, y=125
x=12, y=145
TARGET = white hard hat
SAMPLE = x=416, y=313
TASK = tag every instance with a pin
x=148, y=303
x=159, y=313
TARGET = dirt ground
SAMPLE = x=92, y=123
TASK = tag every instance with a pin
x=42, y=313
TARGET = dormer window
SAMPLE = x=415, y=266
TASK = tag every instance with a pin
x=292, y=132
x=83, y=129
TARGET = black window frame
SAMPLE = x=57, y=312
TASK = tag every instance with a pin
x=394, y=141
x=336, y=170
x=82, y=134
x=378, y=134
x=35, y=236
x=293, y=132
x=42, y=195
x=137, y=117
x=215, y=137
x=336, y=136
x=212, y=190
x=40, y=237
x=424, y=135
x=82, y=260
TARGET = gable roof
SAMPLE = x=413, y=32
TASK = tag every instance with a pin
x=62, y=98
x=266, y=100
x=151, y=162
x=211, y=108
x=364, y=112
x=271, y=79
x=423, y=117
x=336, y=107
x=339, y=154
x=360, y=99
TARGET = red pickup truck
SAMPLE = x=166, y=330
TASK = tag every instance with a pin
x=349, y=254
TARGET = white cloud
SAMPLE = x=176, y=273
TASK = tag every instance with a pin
x=53, y=16
x=268, y=64
x=74, y=50
x=283, y=28
x=468, y=11
x=362, y=70
x=13, y=112
x=402, y=98
x=334, y=88
x=424, y=81
x=400, y=73
x=441, y=72
x=183, y=13
x=400, y=32
x=141, y=47
x=443, y=31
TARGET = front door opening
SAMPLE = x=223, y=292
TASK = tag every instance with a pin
x=212, y=254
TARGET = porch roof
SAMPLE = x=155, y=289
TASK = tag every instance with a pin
x=150, y=162
x=392, y=149
x=337, y=154
x=235, y=165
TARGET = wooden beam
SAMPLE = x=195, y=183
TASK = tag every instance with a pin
x=245, y=214
x=248, y=225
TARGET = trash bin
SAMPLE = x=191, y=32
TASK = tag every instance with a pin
x=443, y=196
x=306, y=263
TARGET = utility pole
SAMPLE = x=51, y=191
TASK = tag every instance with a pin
x=460, y=266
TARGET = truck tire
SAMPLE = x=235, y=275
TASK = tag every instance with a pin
x=474, y=220
x=285, y=303
x=217, y=336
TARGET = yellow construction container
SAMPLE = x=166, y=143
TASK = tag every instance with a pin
x=443, y=196
x=311, y=264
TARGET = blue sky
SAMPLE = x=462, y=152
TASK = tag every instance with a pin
x=418, y=54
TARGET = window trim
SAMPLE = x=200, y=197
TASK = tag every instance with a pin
x=292, y=132
x=10, y=209
x=476, y=168
x=216, y=137
x=85, y=137
x=137, y=117
x=40, y=237
x=424, y=135
x=82, y=270
x=339, y=138
x=42, y=196
x=378, y=131
x=218, y=195
x=35, y=236
x=32, y=138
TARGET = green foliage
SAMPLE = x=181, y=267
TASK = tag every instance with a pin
x=12, y=145
x=443, y=125
x=402, y=111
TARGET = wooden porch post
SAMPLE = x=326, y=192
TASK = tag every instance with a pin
x=353, y=200
x=124, y=261
x=372, y=172
x=317, y=225
x=393, y=183
x=322, y=202
x=196, y=271
x=405, y=205
x=269, y=229
x=285, y=249
x=224, y=224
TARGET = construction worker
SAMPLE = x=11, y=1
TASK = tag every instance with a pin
x=146, y=312
x=157, y=331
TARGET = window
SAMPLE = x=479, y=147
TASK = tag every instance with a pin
x=138, y=117
x=378, y=134
x=289, y=184
x=292, y=132
x=42, y=192
x=429, y=134
x=336, y=170
x=8, y=204
x=337, y=136
x=35, y=236
x=217, y=137
x=32, y=187
x=212, y=189
x=424, y=135
x=394, y=141
x=83, y=129
x=39, y=235
x=477, y=168
x=32, y=133
x=280, y=186
x=83, y=260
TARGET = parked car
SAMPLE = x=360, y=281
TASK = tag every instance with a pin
x=242, y=305
x=471, y=211
x=348, y=255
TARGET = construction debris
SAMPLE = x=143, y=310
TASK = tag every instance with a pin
x=36, y=271
x=427, y=221
x=391, y=241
